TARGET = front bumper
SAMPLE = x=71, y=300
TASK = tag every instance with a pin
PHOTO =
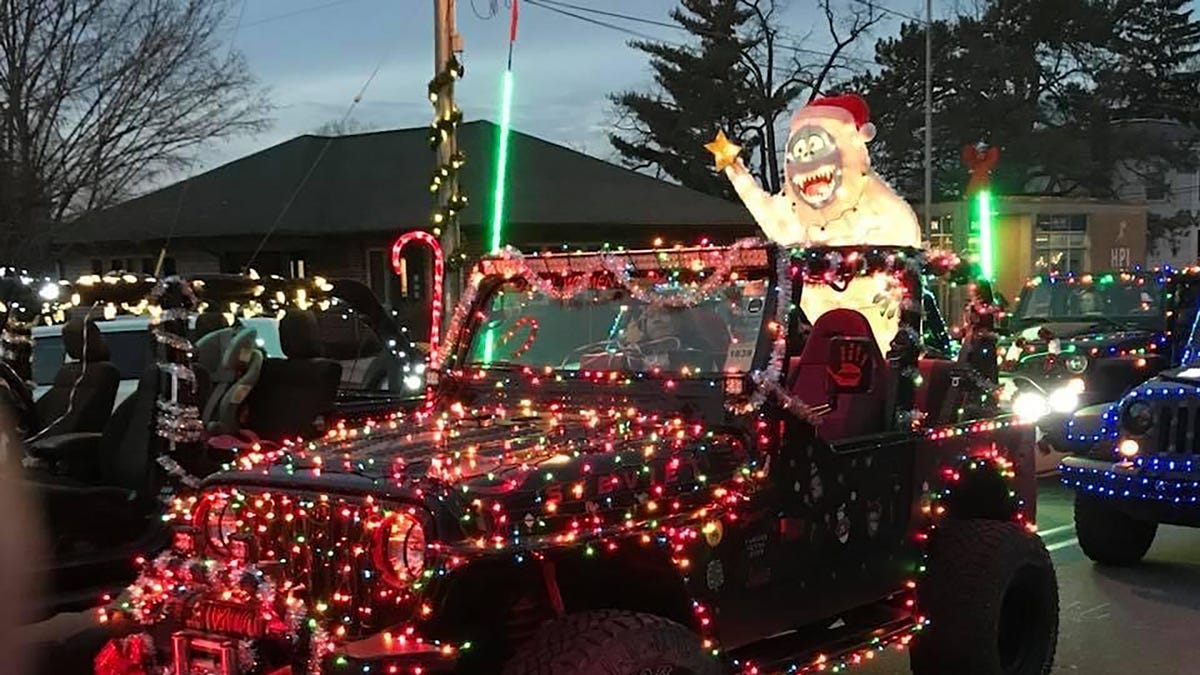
x=1163, y=489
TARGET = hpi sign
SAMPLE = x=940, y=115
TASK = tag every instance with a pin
x=1120, y=257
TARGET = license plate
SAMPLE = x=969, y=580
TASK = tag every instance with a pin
x=200, y=654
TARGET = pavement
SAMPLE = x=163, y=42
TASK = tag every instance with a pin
x=1140, y=620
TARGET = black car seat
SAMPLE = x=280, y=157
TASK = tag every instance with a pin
x=235, y=377
x=108, y=505
x=852, y=414
x=81, y=398
x=294, y=394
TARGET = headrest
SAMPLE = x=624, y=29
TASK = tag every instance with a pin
x=299, y=336
x=839, y=322
x=77, y=333
x=208, y=322
x=244, y=340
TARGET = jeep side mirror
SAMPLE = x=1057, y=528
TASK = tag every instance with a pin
x=850, y=369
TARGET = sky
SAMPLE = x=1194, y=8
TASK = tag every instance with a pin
x=314, y=56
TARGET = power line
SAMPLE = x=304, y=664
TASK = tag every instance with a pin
x=296, y=12
x=558, y=7
x=316, y=161
x=595, y=22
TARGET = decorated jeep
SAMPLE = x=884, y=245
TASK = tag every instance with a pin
x=1076, y=343
x=1141, y=469
x=634, y=461
x=687, y=460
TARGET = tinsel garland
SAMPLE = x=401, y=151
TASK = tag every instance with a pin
x=173, y=577
x=687, y=296
x=177, y=421
x=783, y=310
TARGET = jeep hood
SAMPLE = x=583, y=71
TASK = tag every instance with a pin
x=517, y=457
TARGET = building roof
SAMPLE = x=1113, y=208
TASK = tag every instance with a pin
x=378, y=182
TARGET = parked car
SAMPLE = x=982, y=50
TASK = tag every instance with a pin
x=624, y=476
x=1077, y=342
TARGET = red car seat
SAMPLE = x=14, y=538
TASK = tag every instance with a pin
x=853, y=414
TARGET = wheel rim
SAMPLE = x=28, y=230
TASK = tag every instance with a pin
x=1022, y=620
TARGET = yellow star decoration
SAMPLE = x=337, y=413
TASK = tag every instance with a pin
x=724, y=151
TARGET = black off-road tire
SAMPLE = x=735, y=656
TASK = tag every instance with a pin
x=610, y=642
x=991, y=596
x=1109, y=536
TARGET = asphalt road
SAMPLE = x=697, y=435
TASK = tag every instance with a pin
x=1142, y=620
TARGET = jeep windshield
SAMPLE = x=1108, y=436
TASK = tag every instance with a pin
x=644, y=324
x=1110, y=300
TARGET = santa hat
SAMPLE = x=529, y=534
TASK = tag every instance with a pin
x=851, y=103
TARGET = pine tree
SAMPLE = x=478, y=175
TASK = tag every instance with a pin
x=1048, y=82
x=702, y=88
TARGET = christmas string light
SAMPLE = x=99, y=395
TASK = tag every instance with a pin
x=439, y=273
x=515, y=475
x=444, y=127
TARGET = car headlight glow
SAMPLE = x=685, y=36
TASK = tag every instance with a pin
x=400, y=548
x=1065, y=399
x=1138, y=417
x=412, y=382
x=1076, y=363
x=1030, y=406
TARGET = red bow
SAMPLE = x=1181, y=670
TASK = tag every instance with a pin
x=980, y=165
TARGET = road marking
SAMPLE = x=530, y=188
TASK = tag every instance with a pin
x=1054, y=530
x=1062, y=544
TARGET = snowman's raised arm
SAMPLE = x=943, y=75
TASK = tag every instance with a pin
x=772, y=212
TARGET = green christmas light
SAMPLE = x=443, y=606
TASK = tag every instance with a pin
x=502, y=162
x=987, y=263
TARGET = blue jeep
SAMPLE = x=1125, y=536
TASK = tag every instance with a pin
x=1142, y=466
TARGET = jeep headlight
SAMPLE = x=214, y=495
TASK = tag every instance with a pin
x=219, y=522
x=1076, y=363
x=1138, y=417
x=400, y=548
x=1065, y=399
x=1030, y=406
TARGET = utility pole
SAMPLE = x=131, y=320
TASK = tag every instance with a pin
x=447, y=42
x=928, y=118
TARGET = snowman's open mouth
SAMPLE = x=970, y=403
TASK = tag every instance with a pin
x=818, y=186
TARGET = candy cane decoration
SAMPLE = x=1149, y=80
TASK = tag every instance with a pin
x=439, y=270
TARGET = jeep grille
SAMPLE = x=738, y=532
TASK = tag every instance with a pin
x=1177, y=429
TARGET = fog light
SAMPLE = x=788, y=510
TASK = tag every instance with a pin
x=1128, y=447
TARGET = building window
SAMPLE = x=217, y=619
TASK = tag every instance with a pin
x=97, y=266
x=297, y=267
x=1060, y=242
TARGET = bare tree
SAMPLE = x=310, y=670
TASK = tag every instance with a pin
x=100, y=97
x=782, y=70
x=344, y=127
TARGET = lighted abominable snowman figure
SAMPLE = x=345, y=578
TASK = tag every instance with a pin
x=832, y=197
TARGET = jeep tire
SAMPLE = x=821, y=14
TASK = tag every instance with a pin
x=609, y=642
x=991, y=596
x=1110, y=536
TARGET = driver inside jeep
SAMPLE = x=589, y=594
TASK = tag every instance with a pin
x=668, y=338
